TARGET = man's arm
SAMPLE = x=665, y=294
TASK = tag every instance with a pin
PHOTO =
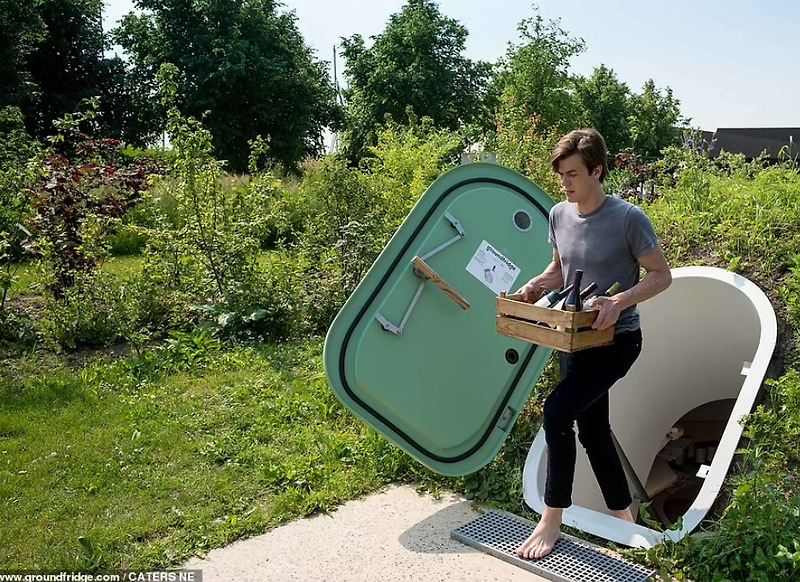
x=549, y=279
x=657, y=278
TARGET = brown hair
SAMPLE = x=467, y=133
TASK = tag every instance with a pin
x=586, y=142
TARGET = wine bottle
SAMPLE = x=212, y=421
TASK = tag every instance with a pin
x=614, y=289
x=573, y=300
x=551, y=300
x=588, y=290
x=553, y=297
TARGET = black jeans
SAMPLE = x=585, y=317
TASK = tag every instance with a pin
x=582, y=397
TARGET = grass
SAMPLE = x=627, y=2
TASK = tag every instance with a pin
x=746, y=219
x=28, y=274
x=146, y=461
x=745, y=224
x=149, y=464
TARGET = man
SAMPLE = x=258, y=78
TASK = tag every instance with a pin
x=610, y=240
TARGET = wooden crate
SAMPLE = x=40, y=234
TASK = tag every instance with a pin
x=536, y=325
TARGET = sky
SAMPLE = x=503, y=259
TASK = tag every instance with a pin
x=730, y=63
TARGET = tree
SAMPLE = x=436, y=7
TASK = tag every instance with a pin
x=66, y=66
x=116, y=114
x=655, y=120
x=51, y=60
x=605, y=102
x=21, y=28
x=244, y=69
x=534, y=76
x=417, y=62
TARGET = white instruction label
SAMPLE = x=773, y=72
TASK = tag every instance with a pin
x=492, y=268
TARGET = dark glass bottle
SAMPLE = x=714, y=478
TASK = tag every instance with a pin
x=553, y=297
x=614, y=289
x=588, y=290
x=573, y=301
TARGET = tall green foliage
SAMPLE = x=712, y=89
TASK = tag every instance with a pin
x=357, y=210
x=21, y=29
x=18, y=152
x=340, y=242
x=606, y=103
x=208, y=230
x=534, y=77
x=405, y=160
x=204, y=246
x=17, y=172
x=67, y=65
x=244, y=69
x=655, y=120
x=416, y=62
x=524, y=145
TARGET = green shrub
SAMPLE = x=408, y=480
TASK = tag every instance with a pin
x=17, y=152
x=522, y=144
x=341, y=240
x=17, y=331
x=127, y=241
x=17, y=173
x=84, y=314
x=404, y=162
x=263, y=312
x=747, y=224
x=732, y=213
x=204, y=238
x=352, y=212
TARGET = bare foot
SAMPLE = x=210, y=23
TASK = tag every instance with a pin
x=543, y=539
x=624, y=514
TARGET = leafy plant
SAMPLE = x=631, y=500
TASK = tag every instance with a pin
x=205, y=239
x=83, y=314
x=246, y=71
x=405, y=160
x=17, y=149
x=341, y=241
x=524, y=145
x=415, y=64
x=79, y=200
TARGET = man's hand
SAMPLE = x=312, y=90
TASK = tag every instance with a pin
x=548, y=279
x=527, y=293
x=609, y=309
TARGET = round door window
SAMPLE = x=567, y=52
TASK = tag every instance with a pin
x=522, y=221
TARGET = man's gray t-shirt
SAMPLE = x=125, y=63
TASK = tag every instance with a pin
x=605, y=245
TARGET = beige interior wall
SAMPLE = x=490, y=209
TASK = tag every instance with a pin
x=696, y=338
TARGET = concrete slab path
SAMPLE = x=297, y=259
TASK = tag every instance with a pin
x=394, y=535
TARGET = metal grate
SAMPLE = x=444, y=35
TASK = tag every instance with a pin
x=500, y=535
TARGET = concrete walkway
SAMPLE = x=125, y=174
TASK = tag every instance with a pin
x=396, y=535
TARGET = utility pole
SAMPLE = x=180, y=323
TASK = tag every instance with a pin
x=336, y=78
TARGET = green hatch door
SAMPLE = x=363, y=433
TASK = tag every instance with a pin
x=414, y=352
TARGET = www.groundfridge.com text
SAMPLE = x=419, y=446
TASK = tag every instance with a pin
x=131, y=576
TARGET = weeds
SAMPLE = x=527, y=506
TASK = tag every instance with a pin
x=161, y=456
x=202, y=436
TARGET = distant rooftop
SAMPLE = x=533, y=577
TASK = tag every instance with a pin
x=751, y=141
